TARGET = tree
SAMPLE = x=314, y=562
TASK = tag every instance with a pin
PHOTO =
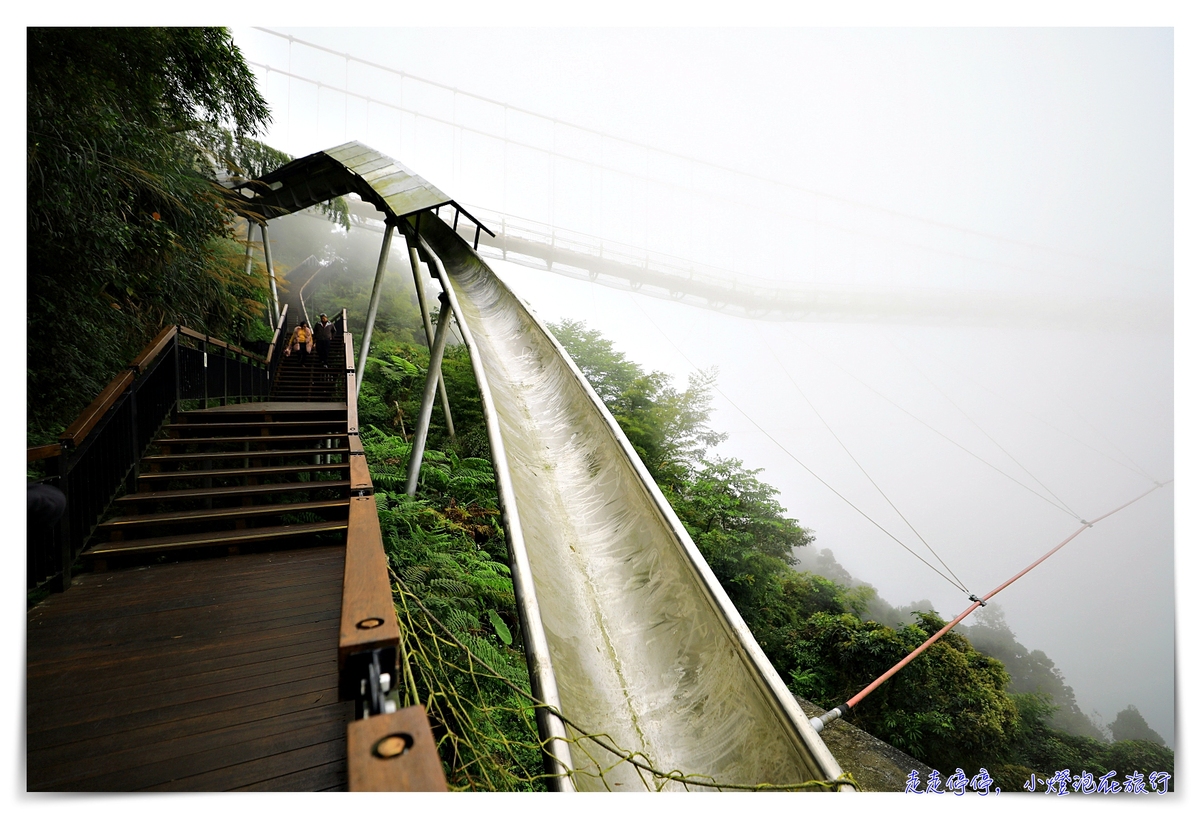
x=127, y=228
x=1129, y=725
x=739, y=527
x=1031, y=671
x=667, y=428
x=948, y=707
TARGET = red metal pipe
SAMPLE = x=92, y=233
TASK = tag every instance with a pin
x=836, y=713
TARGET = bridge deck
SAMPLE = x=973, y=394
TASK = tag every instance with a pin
x=215, y=674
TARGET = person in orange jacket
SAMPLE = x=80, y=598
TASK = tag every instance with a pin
x=301, y=341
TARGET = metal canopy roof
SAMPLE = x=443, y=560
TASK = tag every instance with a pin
x=350, y=168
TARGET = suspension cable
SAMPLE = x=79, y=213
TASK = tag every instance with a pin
x=1135, y=468
x=819, y=723
x=1103, y=437
x=938, y=433
x=799, y=462
x=962, y=585
x=995, y=442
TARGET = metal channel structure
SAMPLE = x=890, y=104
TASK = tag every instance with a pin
x=644, y=643
x=627, y=631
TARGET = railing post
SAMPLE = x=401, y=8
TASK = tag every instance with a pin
x=204, y=359
x=178, y=371
x=225, y=377
x=131, y=480
x=270, y=270
x=63, y=529
x=427, y=396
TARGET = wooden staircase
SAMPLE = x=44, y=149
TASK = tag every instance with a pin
x=302, y=377
x=234, y=477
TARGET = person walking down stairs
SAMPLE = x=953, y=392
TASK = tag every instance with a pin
x=301, y=342
x=323, y=333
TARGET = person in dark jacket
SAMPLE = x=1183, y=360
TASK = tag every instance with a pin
x=323, y=334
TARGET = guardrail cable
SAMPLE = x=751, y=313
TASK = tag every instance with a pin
x=985, y=433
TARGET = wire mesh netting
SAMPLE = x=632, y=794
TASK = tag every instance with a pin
x=484, y=718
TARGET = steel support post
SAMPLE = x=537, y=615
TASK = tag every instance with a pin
x=270, y=271
x=373, y=307
x=249, y=246
x=414, y=260
x=431, y=380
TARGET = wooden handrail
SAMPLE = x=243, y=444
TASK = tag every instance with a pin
x=366, y=591
x=46, y=452
x=360, y=473
x=369, y=625
x=153, y=348
x=368, y=617
x=191, y=333
x=90, y=416
x=236, y=350
x=378, y=763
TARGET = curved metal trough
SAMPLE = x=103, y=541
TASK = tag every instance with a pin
x=627, y=629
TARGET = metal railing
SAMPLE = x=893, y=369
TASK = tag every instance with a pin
x=98, y=454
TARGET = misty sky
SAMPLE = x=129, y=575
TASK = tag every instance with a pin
x=958, y=159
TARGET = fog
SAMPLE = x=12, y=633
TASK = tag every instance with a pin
x=981, y=161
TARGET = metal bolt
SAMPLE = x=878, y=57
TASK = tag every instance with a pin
x=393, y=745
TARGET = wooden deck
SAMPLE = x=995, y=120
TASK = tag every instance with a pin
x=216, y=674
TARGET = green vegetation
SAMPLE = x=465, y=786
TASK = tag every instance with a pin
x=127, y=229
x=447, y=550
x=954, y=706
x=1130, y=726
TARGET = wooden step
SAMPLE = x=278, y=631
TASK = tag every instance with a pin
x=267, y=411
x=236, y=455
x=174, y=429
x=229, y=491
x=258, y=471
x=174, y=442
x=220, y=514
x=155, y=545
